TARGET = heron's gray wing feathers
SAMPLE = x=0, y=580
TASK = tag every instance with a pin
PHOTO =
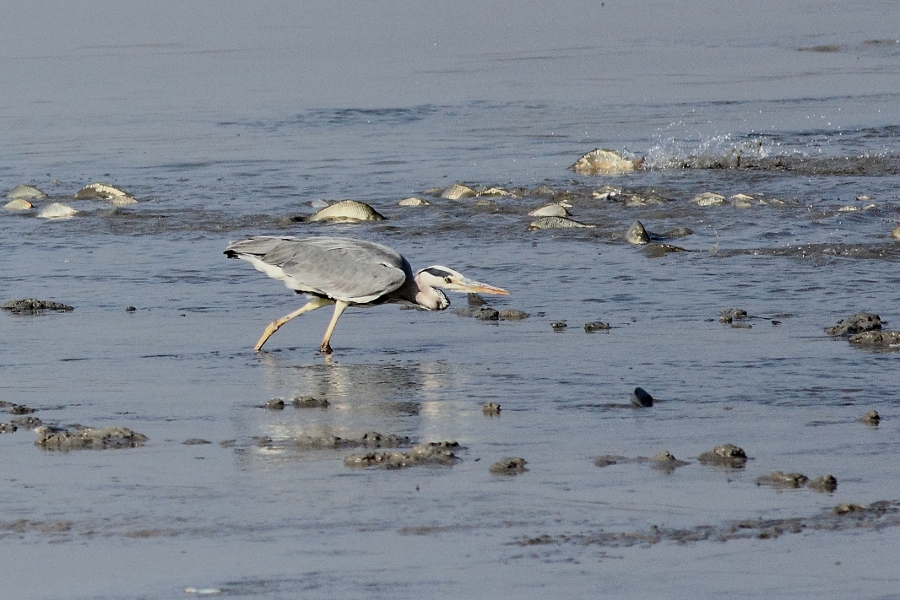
x=345, y=269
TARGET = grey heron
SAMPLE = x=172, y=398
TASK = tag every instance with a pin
x=348, y=272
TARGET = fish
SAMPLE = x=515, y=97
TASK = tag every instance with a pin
x=605, y=162
x=25, y=192
x=556, y=223
x=346, y=211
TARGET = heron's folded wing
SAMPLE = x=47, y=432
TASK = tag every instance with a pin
x=343, y=269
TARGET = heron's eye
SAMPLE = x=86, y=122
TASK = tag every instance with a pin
x=448, y=279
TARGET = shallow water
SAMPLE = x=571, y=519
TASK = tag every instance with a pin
x=225, y=124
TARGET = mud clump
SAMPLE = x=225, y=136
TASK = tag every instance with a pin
x=487, y=313
x=858, y=323
x=310, y=402
x=430, y=454
x=7, y=428
x=17, y=409
x=883, y=340
x=32, y=306
x=371, y=439
x=665, y=461
x=594, y=326
x=88, y=438
x=26, y=422
x=825, y=483
x=274, y=404
x=509, y=466
x=609, y=460
x=778, y=479
x=513, y=315
x=726, y=455
x=730, y=315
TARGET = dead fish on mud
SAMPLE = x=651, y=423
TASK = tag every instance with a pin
x=57, y=210
x=495, y=191
x=708, y=199
x=105, y=191
x=346, y=211
x=550, y=210
x=605, y=162
x=18, y=204
x=556, y=223
x=457, y=191
x=413, y=201
x=25, y=192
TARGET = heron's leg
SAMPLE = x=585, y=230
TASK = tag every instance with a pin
x=339, y=307
x=275, y=325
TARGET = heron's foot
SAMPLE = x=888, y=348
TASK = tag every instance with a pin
x=325, y=348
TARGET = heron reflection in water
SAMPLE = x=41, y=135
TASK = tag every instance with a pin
x=348, y=272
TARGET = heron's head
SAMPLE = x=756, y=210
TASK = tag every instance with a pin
x=445, y=277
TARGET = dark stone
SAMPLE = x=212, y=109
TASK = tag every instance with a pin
x=641, y=399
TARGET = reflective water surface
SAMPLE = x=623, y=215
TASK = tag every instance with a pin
x=231, y=122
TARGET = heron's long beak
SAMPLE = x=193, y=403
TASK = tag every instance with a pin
x=475, y=287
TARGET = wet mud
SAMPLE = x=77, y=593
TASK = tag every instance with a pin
x=371, y=439
x=430, y=454
x=88, y=438
x=874, y=517
x=664, y=462
x=781, y=480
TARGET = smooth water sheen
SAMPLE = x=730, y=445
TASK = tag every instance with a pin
x=226, y=120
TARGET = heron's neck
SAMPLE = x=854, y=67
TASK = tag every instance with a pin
x=425, y=295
